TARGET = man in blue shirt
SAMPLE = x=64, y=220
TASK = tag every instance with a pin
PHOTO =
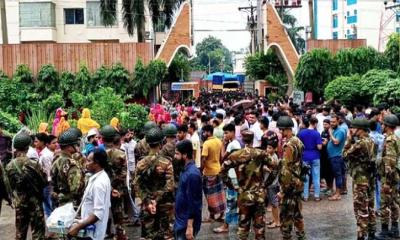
x=188, y=202
x=335, y=149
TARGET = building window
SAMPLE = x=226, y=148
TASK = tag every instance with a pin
x=348, y=13
x=398, y=17
x=334, y=5
x=93, y=14
x=73, y=15
x=352, y=20
x=398, y=29
x=335, y=21
x=355, y=11
x=335, y=35
x=37, y=14
x=351, y=2
x=160, y=25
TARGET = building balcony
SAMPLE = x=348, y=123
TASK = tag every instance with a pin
x=38, y=34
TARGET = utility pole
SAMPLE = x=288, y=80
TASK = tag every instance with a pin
x=251, y=25
x=3, y=18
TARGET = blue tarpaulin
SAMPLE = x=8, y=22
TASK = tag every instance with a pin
x=220, y=77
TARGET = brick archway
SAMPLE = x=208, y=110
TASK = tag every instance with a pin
x=277, y=38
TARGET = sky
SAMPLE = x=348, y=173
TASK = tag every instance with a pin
x=224, y=14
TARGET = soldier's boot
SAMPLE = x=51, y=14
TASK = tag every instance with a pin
x=384, y=234
x=394, y=231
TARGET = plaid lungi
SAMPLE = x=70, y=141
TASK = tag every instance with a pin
x=214, y=190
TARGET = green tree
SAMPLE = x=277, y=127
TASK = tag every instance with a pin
x=67, y=83
x=294, y=31
x=374, y=80
x=211, y=50
x=315, y=70
x=23, y=74
x=179, y=68
x=392, y=54
x=345, y=89
x=134, y=13
x=261, y=65
x=389, y=93
x=47, y=81
x=134, y=116
x=119, y=78
x=358, y=60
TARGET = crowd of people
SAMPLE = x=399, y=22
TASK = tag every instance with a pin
x=242, y=154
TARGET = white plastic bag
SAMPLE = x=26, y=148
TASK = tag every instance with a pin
x=62, y=217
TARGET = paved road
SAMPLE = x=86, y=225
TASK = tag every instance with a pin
x=323, y=220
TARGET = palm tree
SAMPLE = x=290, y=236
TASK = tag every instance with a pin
x=133, y=13
x=293, y=30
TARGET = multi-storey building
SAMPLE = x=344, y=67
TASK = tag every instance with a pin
x=353, y=19
x=65, y=21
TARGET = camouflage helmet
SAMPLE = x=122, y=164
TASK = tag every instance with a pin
x=149, y=125
x=360, y=123
x=22, y=141
x=68, y=138
x=247, y=135
x=76, y=131
x=169, y=130
x=285, y=122
x=108, y=132
x=154, y=136
x=391, y=121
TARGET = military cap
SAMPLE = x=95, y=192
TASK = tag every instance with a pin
x=154, y=136
x=108, y=132
x=169, y=130
x=360, y=123
x=76, y=131
x=284, y=122
x=68, y=138
x=149, y=125
x=391, y=120
x=22, y=141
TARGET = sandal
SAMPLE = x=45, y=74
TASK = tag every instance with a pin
x=221, y=229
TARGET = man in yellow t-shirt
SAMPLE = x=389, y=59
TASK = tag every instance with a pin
x=211, y=166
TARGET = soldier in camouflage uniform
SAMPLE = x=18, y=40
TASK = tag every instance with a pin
x=168, y=151
x=117, y=172
x=27, y=181
x=142, y=148
x=361, y=161
x=250, y=168
x=154, y=186
x=66, y=173
x=389, y=172
x=291, y=181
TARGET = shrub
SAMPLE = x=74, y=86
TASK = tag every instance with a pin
x=67, y=83
x=134, y=116
x=47, y=81
x=38, y=116
x=373, y=80
x=23, y=74
x=83, y=81
x=53, y=102
x=345, y=89
x=106, y=105
x=389, y=93
x=9, y=123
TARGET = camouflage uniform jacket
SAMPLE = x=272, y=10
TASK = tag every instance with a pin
x=249, y=163
x=67, y=179
x=27, y=180
x=168, y=151
x=5, y=189
x=360, y=157
x=142, y=149
x=117, y=168
x=154, y=179
x=291, y=166
x=390, y=160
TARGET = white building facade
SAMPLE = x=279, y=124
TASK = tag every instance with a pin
x=354, y=19
x=63, y=21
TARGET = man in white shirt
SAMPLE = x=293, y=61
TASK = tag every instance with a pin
x=96, y=200
x=254, y=126
x=128, y=146
x=46, y=161
x=195, y=139
x=321, y=117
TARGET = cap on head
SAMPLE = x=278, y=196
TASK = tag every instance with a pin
x=108, y=132
x=22, y=141
x=391, y=120
x=76, y=131
x=285, y=122
x=247, y=136
x=360, y=123
x=68, y=138
x=154, y=136
x=169, y=130
x=149, y=125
